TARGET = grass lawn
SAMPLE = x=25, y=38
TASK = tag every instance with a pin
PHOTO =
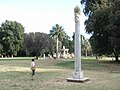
x=51, y=75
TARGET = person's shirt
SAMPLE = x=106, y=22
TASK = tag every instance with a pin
x=32, y=64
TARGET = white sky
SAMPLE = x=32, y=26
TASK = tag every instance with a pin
x=41, y=15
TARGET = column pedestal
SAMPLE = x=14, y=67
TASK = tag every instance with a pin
x=77, y=76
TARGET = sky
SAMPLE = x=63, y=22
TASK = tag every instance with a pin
x=41, y=15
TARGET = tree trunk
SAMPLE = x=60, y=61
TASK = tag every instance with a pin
x=96, y=57
x=57, y=47
x=86, y=53
x=116, y=57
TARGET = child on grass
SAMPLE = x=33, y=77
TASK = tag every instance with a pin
x=33, y=69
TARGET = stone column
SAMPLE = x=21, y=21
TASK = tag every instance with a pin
x=43, y=55
x=78, y=73
x=77, y=42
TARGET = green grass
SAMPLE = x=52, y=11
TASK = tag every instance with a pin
x=51, y=74
x=17, y=58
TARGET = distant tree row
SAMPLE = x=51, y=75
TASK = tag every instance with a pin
x=14, y=42
x=35, y=44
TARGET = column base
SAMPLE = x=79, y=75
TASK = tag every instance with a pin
x=77, y=77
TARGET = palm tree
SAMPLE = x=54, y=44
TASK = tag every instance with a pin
x=86, y=47
x=57, y=32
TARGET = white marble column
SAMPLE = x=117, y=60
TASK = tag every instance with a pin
x=77, y=45
x=78, y=73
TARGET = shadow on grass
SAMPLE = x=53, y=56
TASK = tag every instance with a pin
x=93, y=65
x=110, y=62
x=104, y=66
x=66, y=64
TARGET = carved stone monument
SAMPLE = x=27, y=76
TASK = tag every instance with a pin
x=64, y=52
x=77, y=75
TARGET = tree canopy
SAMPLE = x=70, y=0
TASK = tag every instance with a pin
x=11, y=37
x=36, y=44
x=104, y=25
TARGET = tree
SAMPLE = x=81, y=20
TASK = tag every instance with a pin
x=57, y=32
x=36, y=44
x=28, y=44
x=85, y=46
x=104, y=25
x=42, y=42
x=11, y=37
